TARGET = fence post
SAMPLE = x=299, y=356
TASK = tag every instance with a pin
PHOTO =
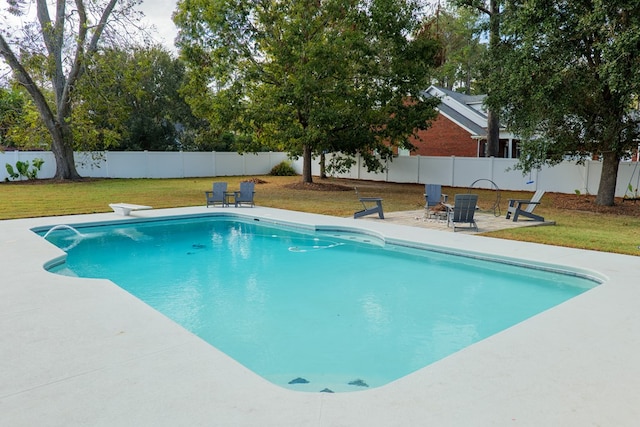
x=453, y=171
x=492, y=165
x=182, y=163
x=586, y=176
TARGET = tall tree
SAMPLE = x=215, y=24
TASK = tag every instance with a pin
x=133, y=95
x=309, y=76
x=64, y=42
x=490, y=8
x=12, y=106
x=461, y=49
x=569, y=82
x=20, y=124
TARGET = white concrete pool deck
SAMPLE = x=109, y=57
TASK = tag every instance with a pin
x=78, y=352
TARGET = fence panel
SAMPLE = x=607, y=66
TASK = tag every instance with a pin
x=628, y=175
x=93, y=164
x=468, y=169
x=199, y=164
x=436, y=170
x=127, y=164
x=506, y=178
x=566, y=177
x=404, y=169
x=164, y=164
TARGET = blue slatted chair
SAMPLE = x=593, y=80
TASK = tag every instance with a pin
x=245, y=195
x=462, y=212
x=217, y=195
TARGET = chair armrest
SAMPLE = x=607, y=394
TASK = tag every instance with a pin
x=514, y=202
x=370, y=199
x=524, y=202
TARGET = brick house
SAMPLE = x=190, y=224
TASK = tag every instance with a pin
x=460, y=128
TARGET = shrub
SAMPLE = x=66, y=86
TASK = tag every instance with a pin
x=22, y=169
x=283, y=168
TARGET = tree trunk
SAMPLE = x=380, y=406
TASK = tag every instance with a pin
x=493, y=118
x=62, y=148
x=493, y=134
x=608, y=179
x=306, y=164
x=323, y=166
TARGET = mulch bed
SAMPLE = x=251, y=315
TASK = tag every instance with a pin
x=586, y=203
x=318, y=186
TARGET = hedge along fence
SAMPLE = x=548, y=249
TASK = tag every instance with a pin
x=566, y=177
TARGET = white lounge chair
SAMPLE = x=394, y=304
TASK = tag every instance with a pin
x=516, y=207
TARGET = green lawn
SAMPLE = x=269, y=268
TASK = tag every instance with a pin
x=616, y=230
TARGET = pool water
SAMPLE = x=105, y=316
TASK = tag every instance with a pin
x=309, y=311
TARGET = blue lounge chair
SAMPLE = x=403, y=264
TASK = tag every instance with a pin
x=245, y=195
x=368, y=210
x=433, y=198
x=462, y=211
x=217, y=195
x=516, y=207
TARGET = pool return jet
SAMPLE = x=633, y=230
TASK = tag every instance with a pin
x=78, y=235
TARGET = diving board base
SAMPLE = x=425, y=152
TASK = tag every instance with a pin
x=125, y=209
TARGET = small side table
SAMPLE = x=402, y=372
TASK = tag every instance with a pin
x=229, y=197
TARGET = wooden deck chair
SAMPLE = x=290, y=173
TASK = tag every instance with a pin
x=433, y=198
x=519, y=207
x=462, y=211
x=246, y=193
x=217, y=195
x=368, y=210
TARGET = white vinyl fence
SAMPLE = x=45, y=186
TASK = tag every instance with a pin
x=566, y=177
x=151, y=164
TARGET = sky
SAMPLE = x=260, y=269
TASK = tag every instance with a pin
x=158, y=13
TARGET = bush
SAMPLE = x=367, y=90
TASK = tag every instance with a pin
x=22, y=169
x=283, y=169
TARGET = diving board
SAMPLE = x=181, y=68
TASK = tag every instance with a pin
x=125, y=209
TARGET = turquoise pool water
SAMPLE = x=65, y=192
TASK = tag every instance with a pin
x=330, y=311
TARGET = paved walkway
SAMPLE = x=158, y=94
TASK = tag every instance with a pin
x=486, y=221
x=83, y=352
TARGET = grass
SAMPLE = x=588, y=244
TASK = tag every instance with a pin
x=613, y=231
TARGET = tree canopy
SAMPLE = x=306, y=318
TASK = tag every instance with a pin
x=130, y=99
x=492, y=9
x=309, y=76
x=57, y=45
x=569, y=82
x=461, y=52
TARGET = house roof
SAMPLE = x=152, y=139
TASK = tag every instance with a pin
x=467, y=111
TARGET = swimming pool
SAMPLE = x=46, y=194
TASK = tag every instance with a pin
x=357, y=311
